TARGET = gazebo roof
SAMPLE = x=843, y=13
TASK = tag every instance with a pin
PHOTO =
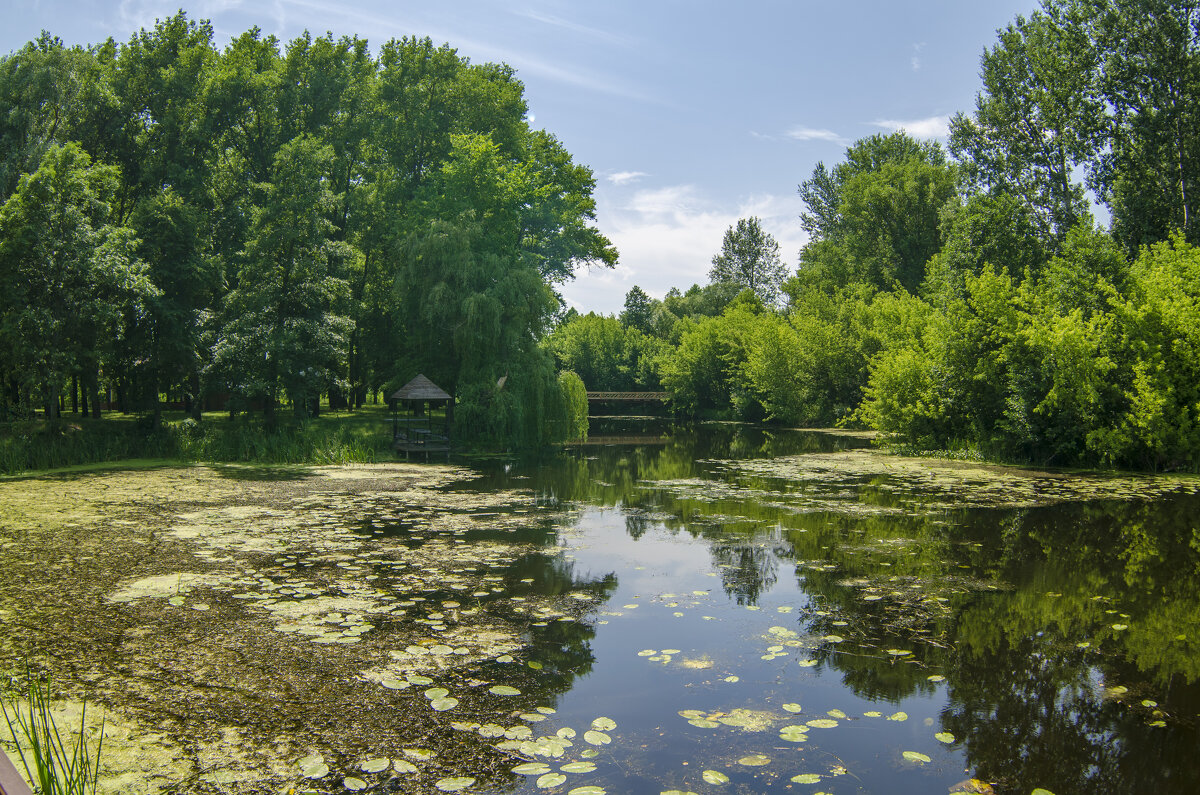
x=420, y=388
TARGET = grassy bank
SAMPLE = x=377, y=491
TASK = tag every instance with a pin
x=362, y=436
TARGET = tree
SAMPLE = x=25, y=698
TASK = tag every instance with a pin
x=1035, y=122
x=71, y=279
x=875, y=217
x=639, y=310
x=749, y=258
x=285, y=322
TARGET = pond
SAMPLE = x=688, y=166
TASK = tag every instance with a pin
x=708, y=608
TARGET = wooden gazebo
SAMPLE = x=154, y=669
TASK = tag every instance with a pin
x=413, y=427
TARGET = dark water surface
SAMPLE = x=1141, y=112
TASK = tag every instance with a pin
x=932, y=638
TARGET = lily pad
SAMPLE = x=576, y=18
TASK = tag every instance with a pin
x=791, y=707
x=944, y=737
x=898, y=716
x=404, y=766
x=354, y=784
x=823, y=723
x=916, y=756
x=807, y=778
x=755, y=760
x=454, y=783
x=434, y=693
x=375, y=765
x=578, y=767
x=551, y=780
x=714, y=777
x=504, y=690
x=443, y=704
x=588, y=790
x=604, y=724
x=532, y=769
x=596, y=738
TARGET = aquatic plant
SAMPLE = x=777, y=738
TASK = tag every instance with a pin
x=53, y=765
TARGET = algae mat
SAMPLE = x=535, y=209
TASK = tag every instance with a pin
x=251, y=630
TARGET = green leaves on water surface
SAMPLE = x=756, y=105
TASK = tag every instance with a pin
x=944, y=737
x=794, y=734
x=754, y=760
x=532, y=769
x=916, y=756
x=551, y=780
x=823, y=723
x=898, y=716
x=444, y=704
x=588, y=790
x=714, y=777
x=404, y=766
x=313, y=766
x=454, y=783
x=594, y=737
x=791, y=707
x=375, y=765
x=604, y=724
x=578, y=767
x=354, y=784
x=806, y=778
x=504, y=690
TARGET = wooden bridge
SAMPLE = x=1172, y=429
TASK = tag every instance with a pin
x=660, y=397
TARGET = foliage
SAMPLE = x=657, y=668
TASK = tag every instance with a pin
x=749, y=259
x=575, y=405
x=53, y=765
x=286, y=200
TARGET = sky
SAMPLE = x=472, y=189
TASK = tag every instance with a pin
x=690, y=113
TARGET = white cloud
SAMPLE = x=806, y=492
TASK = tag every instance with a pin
x=667, y=237
x=623, y=177
x=916, y=56
x=814, y=134
x=932, y=127
x=566, y=24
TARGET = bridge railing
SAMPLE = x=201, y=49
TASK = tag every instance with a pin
x=658, y=396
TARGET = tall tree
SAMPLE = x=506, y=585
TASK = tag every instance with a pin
x=750, y=259
x=70, y=277
x=285, y=322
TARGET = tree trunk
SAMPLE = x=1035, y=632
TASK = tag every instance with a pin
x=75, y=394
x=197, y=405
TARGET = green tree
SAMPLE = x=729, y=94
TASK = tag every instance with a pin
x=71, y=279
x=749, y=259
x=639, y=310
x=285, y=325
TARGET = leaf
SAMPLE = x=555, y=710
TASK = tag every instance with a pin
x=754, y=760
x=454, y=783
x=354, y=784
x=504, y=690
x=823, y=723
x=604, y=724
x=578, y=767
x=899, y=716
x=807, y=778
x=532, y=769
x=714, y=777
x=791, y=707
x=588, y=790
x=944, y=737
x=375, y=765
x=443, y=704
x=551, y=780
x=596, y=738
x=404, y=766
x=434, y=693
x=915, y=756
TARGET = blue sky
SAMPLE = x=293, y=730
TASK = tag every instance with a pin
x=691, y=114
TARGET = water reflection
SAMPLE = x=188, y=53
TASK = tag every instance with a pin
x=1057, y=644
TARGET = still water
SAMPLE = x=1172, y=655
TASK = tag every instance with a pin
x=707, y=608
x=792, y=617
